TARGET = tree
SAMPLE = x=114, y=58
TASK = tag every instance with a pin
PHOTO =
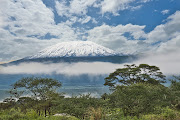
x=40, y=89
x=175, y=91
x=140, y=98
x=131, y=74
x=175, y=83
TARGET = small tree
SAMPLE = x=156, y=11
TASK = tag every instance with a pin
x=131, y=74
x=40, y=89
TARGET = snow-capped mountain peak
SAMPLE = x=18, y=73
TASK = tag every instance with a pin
x=74, y=49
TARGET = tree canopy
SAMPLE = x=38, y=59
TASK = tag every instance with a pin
x=42, y=91
x=140, y=98
x=38, y=87
x=131, y=74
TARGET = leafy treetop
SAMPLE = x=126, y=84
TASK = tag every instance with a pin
x=39, y=87
x=131, y=74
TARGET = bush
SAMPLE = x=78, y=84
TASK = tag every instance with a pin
x=95, y=114
x=12, y=114
x=78, y=106
x=167, y=114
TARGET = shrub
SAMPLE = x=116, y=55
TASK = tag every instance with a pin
x=167, y=114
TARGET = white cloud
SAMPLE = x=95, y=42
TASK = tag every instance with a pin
x=28, y=18
x=127, y=38
x=164, y=12
x=115, y=6
x=167, y=31
x=25, y=24
x=62, y=9
x=84, y=20
x=172, y=45
x=94, y=21
x=136, y=7
x=172, y=26
x=158, y=34
x=167, y=62
x=94, y=68
x=166, y=53
x=144, y=1
x=1, y=20
x=80, y=7
x=77, y=7
x=114, y=37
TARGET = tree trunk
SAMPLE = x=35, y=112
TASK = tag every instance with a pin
x=45, y=112
x=49, y=111
x=39, y=112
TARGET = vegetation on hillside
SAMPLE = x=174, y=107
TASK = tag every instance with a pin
x=137, y=94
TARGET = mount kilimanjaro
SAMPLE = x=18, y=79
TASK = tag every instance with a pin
x=76, y=51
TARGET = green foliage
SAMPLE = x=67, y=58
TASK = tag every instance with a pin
x=115, y=114
x=42, y=91
x=39, y=87
x=175, y=83
x=12, y=114
x=132, y=74
x=166, y=114
x=95, y=114
x=139, y=98
x=175, y=91
x=77, y=106
x=31, y=114
x=16, y=114
x=7, y=103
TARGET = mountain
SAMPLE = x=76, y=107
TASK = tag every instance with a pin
x=74, y=49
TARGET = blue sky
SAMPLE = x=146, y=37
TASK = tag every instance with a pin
x=126, y=26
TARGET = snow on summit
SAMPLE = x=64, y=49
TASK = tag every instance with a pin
x=74, y=49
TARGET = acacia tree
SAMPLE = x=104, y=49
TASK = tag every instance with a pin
x=40, y=89
x=131, y=74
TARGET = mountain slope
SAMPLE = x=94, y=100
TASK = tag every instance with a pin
x=74, y=49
